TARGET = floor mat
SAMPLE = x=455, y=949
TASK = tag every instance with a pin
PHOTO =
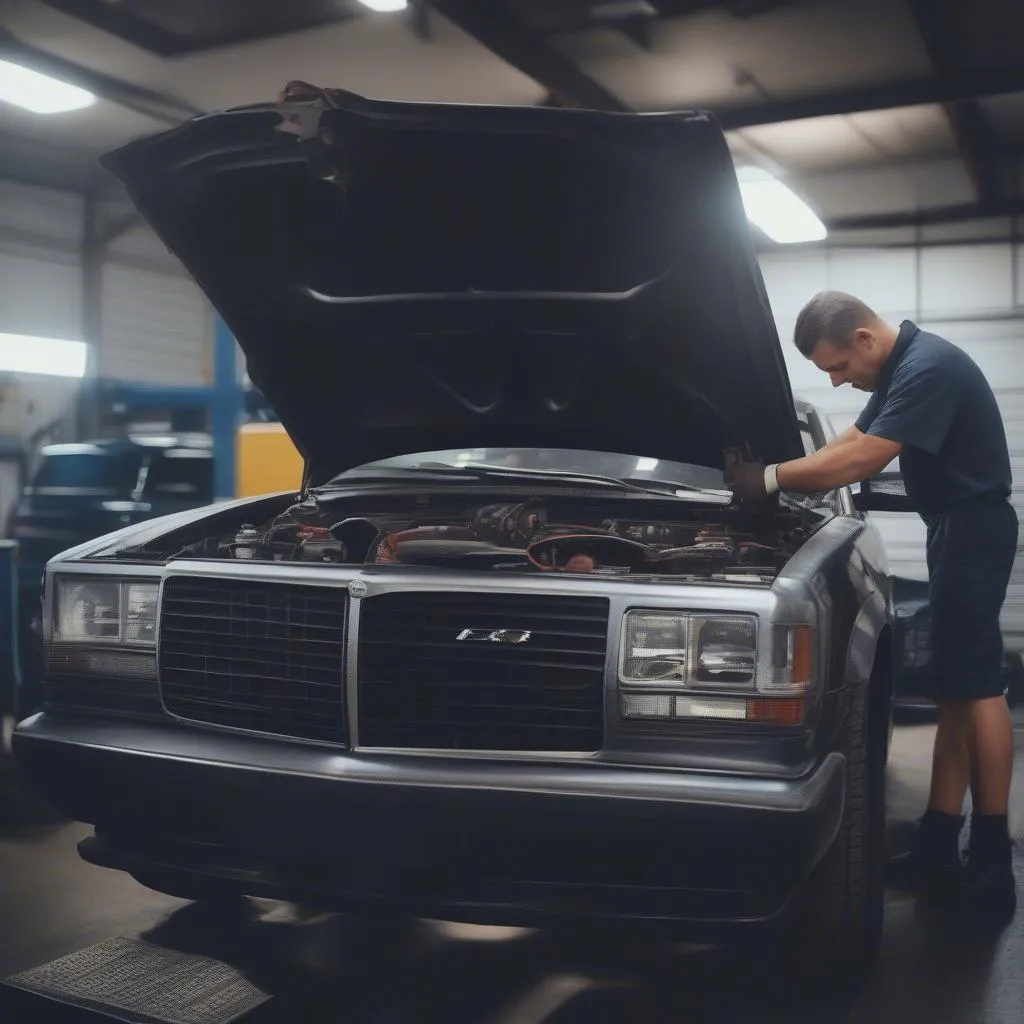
x=142, y=983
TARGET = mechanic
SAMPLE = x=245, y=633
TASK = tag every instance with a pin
x=932, y=407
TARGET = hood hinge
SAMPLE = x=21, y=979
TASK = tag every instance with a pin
x=307, y=472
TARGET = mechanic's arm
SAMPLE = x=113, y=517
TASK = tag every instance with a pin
x=838, y=465
x=848, y=435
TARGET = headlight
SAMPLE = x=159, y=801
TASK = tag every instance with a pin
x=103, y=627
x=726, y=650
x=669, y=659
x=657, y=648
x=105, y=611
x=678, y=648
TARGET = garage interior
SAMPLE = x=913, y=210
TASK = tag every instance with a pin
x=899, y=123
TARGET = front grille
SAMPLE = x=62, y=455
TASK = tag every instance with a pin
x=421, y=687
x=262, y=656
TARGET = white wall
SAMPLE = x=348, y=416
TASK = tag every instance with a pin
x=40, y=280
x=156, y=326
x=968, y=293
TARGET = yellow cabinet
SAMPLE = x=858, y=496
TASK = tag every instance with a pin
x=267, y=461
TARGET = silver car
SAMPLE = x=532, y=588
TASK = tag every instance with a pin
x=512, y=654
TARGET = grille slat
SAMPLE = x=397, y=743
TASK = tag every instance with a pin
x=310, y=705
x=267, y=657
x=443, y=648
x=514, y=668
x=420, y=687
x=235, y=652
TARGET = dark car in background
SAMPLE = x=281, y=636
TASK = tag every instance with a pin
x=911, y=628
x=80, y=491
x=912, y=614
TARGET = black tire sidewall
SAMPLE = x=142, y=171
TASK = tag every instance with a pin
x=838, y=924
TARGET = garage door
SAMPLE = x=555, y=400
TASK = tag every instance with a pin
x=156, y=327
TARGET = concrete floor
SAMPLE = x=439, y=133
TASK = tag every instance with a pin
x=330, y=968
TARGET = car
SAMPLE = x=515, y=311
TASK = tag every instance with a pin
x=513, y=654
x=77, y=492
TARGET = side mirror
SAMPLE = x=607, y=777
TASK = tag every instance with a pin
x=883, y=493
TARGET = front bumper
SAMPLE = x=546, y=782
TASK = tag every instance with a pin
x=489, y=841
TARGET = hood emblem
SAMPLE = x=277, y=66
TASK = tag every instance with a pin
x=357, y=588
x=496, y=636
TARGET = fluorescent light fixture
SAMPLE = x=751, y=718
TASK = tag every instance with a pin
x=40, y=93
x=779, y=212
x=385, y=6
x=23, y=353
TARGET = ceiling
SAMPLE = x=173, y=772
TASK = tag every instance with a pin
x=881, y=113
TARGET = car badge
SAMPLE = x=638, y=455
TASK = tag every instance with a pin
x=496, y=636
x=357, y=588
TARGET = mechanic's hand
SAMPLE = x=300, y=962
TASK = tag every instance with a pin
x=746, y=480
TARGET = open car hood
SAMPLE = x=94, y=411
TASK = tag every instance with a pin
x=410, y=277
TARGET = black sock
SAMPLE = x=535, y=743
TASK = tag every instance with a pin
x=940, y=835
x=990, y=837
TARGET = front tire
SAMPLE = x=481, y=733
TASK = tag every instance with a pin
x=838, y=926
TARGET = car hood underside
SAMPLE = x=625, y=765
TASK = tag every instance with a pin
x=413, y=277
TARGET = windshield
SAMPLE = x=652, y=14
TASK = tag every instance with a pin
x=185, y=474
x=553, y=460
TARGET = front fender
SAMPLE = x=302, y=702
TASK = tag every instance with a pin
x=865, y=634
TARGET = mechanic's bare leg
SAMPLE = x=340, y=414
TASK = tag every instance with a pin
x=990, y=741
x=939, y=865
x=951, y=759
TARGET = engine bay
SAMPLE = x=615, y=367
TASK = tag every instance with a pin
x=536, y=535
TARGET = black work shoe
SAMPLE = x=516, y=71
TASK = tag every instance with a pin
x=940, y=882
x=943, y=884
x=932, y=866
x=989, y=896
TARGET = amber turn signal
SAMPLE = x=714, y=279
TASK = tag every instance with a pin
x=787, y=711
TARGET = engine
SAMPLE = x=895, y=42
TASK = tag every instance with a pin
x=533, y=536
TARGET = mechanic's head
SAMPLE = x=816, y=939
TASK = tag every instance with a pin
x=844, y=338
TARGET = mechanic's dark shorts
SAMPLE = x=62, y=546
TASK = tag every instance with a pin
x=971, y=548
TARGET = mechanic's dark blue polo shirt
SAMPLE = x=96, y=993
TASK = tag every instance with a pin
x=932, y=398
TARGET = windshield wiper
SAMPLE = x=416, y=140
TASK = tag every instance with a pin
x=477, y=473
x=562, y=475
x=388, y=473
x=675, y=485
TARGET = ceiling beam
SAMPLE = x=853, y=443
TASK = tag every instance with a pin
x=937, y=26
x=957, y=214
x=495, y=27
x=950, y=88
x=155, y=105
x=31, y=161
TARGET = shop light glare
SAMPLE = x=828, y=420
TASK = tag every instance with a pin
x=23, y=353
x=40, y=93
x=385, y=6
x=778, y=211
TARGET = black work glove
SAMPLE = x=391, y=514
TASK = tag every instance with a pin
x=746, y=481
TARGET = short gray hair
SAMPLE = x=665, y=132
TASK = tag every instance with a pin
x=833, y=317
